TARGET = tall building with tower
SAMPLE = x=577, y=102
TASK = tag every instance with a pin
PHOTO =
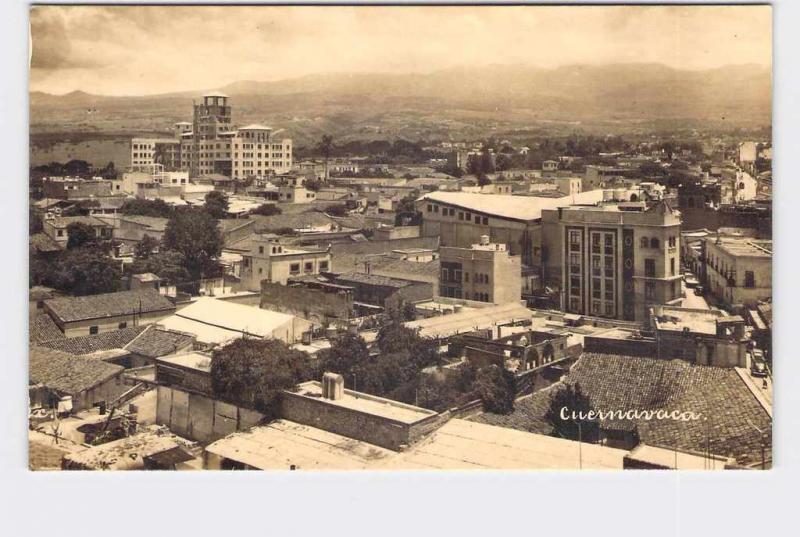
x=210, y=144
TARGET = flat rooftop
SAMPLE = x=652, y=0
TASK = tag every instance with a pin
x=192, y=360
x=679, y=460
x=368, y=404
x=457, y=445
x=698, y=321
x=469, y=320
x=746, y=247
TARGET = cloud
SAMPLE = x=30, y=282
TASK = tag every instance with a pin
x=153, y=49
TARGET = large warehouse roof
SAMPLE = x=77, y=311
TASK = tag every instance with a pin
x=523, y=208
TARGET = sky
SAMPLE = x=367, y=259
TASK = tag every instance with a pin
x=159, y=49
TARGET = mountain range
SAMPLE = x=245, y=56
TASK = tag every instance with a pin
x=508, y=96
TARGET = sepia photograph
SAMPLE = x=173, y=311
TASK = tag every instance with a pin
x=429, y=237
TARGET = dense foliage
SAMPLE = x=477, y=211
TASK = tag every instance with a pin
x=572, y=399
x=253, y=373
x=216, y=204
x=79, y=271
x=143, y=207
x=195, y=234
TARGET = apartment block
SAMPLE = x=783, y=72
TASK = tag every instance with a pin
x=613, y=260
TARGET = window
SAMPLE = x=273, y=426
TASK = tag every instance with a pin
x=485, y=220
x=749, y=278
x=610, y=309
x=323, y=265
x=672, y=266
x=93, y=330
x=650, y=268
x=60, y=233
x=655, y=243
x=309, y=266
x=466, y=277
x=672, y=242
x=261, y=249
x=644, y=242
x=649, y=290
x=122, y=325
x=430, y=208
x=294, y=268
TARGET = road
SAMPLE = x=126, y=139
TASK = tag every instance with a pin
x=692, y=300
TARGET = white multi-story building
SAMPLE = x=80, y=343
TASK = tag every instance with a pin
x=211, y=145
x=256, y=152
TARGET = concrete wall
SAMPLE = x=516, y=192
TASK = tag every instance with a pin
x=314, y=305
x=352, y=423
x=201, y=418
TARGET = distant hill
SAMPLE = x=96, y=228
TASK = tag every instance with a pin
x=373, y=105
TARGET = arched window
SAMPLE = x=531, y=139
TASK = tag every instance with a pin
x=654, y=243
x=634, y=197
x=645, y=242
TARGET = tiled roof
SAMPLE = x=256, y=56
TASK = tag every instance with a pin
x=108, y=305
x=154, y=342
x=43, y=243
x=528, y=414
x=732, y=413
x=372, y=279
x=67, y=373
x=64, y=221
x=116, y=339
x=43, y=328
x=153, y=222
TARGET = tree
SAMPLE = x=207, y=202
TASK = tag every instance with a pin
x=34, y=221
x=145, y=247
x=253, y=373
x=142, y=207
x=267, y=209
x=325, y=147
x=483, y=180
x=79, y=234
x=566, y=400
x=337, y=210
x=82, y=271
x=395, y=337
x=216, y=204
x=347, y=351
x=195, y=234
x=168, y=265
x=495, y=387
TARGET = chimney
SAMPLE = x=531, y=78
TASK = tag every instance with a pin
x=332, y=386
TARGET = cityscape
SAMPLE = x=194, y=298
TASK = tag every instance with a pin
x=474, y=267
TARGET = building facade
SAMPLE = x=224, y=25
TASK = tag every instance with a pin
x=738, y=271
x=613, y=261
x=485, y=272
x=268, y=260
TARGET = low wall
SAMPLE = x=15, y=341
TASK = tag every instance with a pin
x=378, y=430
x=201, y=418
x=628, y=347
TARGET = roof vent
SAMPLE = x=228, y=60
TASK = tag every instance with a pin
x=332, y=386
